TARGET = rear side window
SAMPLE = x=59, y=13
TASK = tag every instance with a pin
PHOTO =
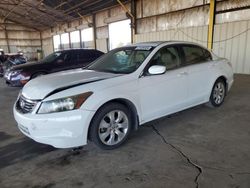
x=85, y=55
x=195, y=54
x=97, y=54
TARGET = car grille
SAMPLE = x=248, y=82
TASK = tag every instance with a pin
x=24, y=105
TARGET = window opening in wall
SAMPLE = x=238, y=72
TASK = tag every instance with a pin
x=87, y=38
x=65, y=41
x=119, y=34
x=56, y=42
x=75, y=39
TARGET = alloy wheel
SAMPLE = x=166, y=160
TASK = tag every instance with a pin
x=113, y=127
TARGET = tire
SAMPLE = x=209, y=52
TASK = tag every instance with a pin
x=218, y=93
x=37, y=75
x=110, y=126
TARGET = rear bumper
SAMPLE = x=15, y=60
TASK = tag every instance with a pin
x=61, y=130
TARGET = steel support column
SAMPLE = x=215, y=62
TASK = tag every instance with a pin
x=7, y=38
x=94, y=29
x=130, y=15
x=211, y=24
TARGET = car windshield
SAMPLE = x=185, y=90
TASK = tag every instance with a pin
x=51, y=57
x=121, y=60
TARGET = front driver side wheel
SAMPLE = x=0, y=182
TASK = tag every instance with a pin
x=218, y=93
x=111, y=126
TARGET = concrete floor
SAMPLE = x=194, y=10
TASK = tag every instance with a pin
x=199, y=147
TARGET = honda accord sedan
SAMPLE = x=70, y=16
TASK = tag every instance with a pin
x=58, y=61
x=123, y=89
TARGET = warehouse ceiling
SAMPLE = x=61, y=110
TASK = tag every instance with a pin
x=42, y=14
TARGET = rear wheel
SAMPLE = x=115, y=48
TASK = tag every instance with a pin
x=218, y=93
x=111, y=126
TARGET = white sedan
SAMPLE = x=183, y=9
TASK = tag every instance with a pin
x=118, y=92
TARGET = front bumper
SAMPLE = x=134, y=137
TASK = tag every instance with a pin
x=15, y=80
x=61, y=130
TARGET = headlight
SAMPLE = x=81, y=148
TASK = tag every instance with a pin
x=15, y=72
x=63, y=104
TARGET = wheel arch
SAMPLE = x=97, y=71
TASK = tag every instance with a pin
x=130, y=105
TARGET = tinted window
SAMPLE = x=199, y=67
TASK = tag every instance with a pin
x=85, y=55
x=66, y=57
x=98, y=54
x=52, y=57
x=167, y=57
x=207, y=55
x=195, y=54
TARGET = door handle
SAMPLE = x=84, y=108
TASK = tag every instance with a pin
x=184, y=73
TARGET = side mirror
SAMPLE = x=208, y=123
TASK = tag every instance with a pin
x=157, y=69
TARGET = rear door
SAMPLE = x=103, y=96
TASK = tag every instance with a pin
x=199, y=63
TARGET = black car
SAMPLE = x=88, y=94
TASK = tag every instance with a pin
x=9, y=60
x=1, y=69
x=55, y=62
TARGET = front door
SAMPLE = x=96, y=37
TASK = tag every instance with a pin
x=63, y=62
x=166, y=93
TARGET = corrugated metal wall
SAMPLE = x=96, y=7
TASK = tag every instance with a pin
x=191, y=34
x=160, y=20
x=102, y=45
x=232, y=40
x=22, y=39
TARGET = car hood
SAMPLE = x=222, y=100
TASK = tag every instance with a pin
x=27, y=66
x=41, y=87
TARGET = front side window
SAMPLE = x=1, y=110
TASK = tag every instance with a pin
x=52, y=57
x=168, y=57
x=122, y=60
x=65, y=57
x=195, y=54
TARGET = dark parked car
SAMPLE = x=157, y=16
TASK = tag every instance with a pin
x=55, y=62
x=12, y=61
x=9, y=60
x=1, y=69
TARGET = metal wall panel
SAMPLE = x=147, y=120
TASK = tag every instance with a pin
x=188, y=18
x=232, y=40
x=155, y=7
x=192, y=34
x=102, y=45
x=47, y=46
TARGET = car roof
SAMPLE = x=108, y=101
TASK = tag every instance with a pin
x=157, y=43
x=77, y=49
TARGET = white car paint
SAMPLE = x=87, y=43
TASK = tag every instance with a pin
x=153, y=96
